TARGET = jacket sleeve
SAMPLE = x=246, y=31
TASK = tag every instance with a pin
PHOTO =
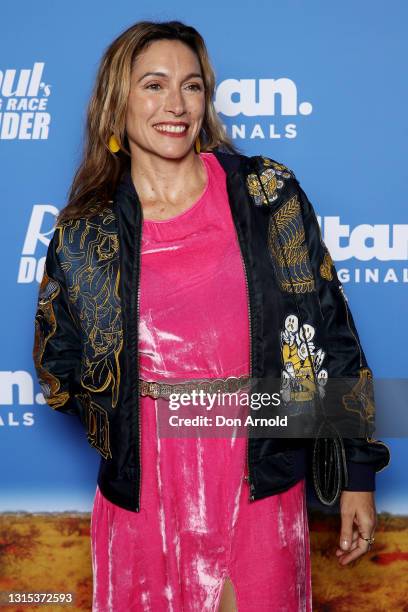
x=57, y=344
x=364, y=456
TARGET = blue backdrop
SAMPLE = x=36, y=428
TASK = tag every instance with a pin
x=318, y=86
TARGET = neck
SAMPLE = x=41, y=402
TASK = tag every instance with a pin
x=160, y=179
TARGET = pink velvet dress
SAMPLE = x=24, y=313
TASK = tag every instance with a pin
x=196, y=525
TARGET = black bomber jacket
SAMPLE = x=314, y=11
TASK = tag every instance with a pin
x=86, y=325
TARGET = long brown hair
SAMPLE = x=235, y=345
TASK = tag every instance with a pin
x=100, y=170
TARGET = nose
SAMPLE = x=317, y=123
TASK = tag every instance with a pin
x=175, y=102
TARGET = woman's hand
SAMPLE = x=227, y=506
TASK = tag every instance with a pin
x=358, y=521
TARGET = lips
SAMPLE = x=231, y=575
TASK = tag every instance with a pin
x=176, y=123
x=171, y=128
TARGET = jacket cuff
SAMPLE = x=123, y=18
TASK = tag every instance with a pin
x=361, y=477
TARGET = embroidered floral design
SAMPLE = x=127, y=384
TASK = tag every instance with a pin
x=299, y=355
x=272, y=177
x=287, y=245
x=45, y=328
x=326, y=267
x=90, y=259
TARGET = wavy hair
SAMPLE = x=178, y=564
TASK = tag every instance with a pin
x=100, y=170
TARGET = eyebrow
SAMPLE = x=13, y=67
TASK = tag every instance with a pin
x=163, y=74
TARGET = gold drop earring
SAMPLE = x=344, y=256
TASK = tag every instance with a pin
x=113, y=144
x=197, y=145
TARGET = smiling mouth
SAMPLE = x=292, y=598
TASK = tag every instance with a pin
x=171, y=129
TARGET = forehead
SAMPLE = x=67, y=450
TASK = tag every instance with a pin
x=170, y=55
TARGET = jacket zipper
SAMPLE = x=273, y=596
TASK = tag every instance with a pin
x=369, y=440
x=251, y=487
x=248, y=477
x=138, y=365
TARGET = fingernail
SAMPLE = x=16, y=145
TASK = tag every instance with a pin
x=344, y=543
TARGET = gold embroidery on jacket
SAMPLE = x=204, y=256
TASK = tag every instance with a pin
x=98, y=425
x=271, y=178
x=45, y=328
x=300, y=357
x=326, y=267
x=287, y=245
x=90, y=260
x=361, y=397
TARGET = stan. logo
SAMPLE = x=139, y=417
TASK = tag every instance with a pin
x=260, y=98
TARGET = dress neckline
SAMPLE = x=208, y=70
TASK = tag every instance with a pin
x=194, y=205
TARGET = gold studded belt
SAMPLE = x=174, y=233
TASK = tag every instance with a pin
x=231, y=384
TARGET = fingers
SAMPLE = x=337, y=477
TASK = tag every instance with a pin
x=358, y=521
x=354, y=544
x=346, y=534
x=361, y=548
x=369, y=539
x=358, y=547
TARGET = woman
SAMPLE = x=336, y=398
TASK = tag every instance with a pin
x=169, y=263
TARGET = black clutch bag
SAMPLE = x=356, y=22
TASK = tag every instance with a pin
x=329, y=466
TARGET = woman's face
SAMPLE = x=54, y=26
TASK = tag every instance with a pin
x=166, y=102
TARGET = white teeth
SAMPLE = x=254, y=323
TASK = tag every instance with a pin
x=170, y=128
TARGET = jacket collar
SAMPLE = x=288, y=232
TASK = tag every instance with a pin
x=231, y=162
